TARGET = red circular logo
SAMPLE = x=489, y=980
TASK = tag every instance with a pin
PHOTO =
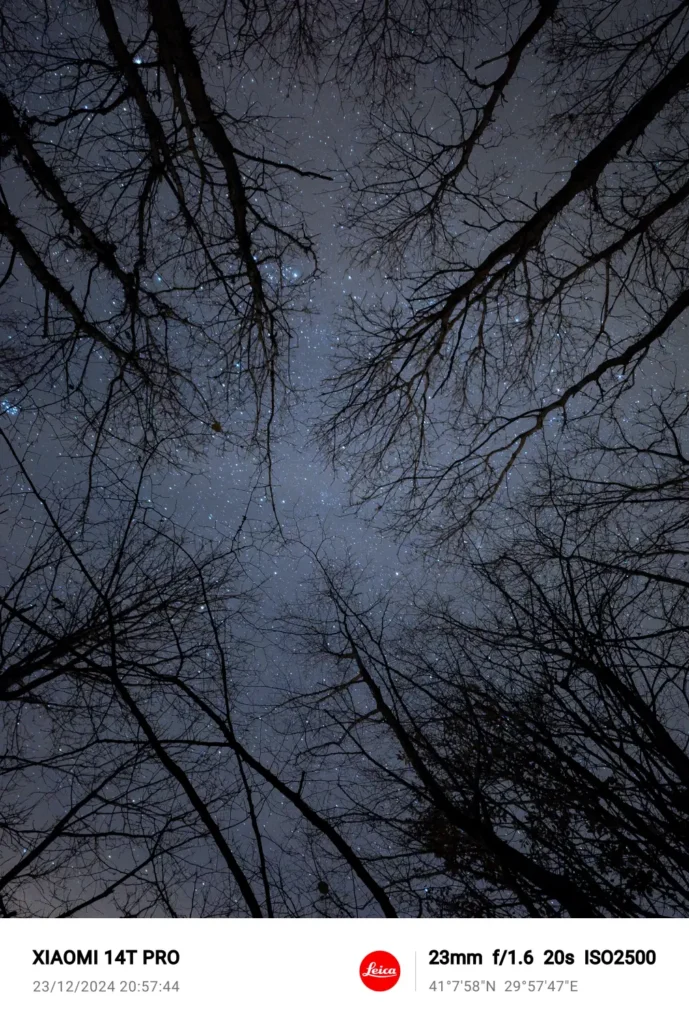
x=379, y=970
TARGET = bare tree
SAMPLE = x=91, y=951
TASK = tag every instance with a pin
x=370, y=49
x=129, y=770
x=516, y=735
x=507, y=736
x=506, y=310
x=153, y=264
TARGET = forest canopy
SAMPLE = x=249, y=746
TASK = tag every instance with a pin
x=344, y=435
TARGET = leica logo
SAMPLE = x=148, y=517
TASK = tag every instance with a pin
x=373, y=970
x=379, y=970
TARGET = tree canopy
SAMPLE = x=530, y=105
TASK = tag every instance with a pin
x=332, y=600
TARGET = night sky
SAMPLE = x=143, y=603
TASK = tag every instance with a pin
x=342, y=117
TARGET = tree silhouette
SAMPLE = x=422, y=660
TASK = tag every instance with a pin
x=119, y=640
x=146, y=220
x=518, y=737
x=506, y=311
x=500, y=727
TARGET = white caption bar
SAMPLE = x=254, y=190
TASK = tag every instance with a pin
x=316, y=970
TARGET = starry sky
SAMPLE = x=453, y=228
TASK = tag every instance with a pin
x=328, y=122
